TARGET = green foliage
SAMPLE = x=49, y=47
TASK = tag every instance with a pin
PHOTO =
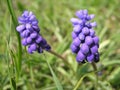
x=54, y=21
x=58, y=85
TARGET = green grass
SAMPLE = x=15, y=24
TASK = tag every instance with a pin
x=54, y=20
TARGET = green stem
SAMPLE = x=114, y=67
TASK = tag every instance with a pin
x=62, y=58
x=80, y=81
x=94, y=66
x=95, y=70
x=9, y=3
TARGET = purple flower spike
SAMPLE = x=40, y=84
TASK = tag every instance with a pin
x=85, y=43
x=29, y=31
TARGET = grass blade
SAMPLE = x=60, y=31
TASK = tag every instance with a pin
x=58, y=85
x=15, y=22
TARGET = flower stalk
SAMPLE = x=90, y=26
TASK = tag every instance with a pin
x=62, y=58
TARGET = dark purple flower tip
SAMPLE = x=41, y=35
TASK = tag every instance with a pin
x=38, y=39
x=29, y=40
x=97, y=58
x=94, y=49
x=24, y=42
x=77, y=28
x=40, y=50
x=75, y=21
x=94, y=24
x=33, y=35
x=33, y=47
x=84, y=48
x=80, y=57
x=74, y=48
x=43, y=42
x=96, y=40
x=47, y=47
x=90, y=58
x=74, y=35
x=85, y=31
x=81, y=36
x=89, y=41
x=20, y=28
x=76, y=42
x=92, y=32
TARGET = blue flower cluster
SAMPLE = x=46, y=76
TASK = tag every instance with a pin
x=29, y=31
x=85, y=43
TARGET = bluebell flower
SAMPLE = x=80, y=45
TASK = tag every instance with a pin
x=85, y=42
x=29, y=32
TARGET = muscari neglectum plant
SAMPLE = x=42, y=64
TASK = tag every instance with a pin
x=85, y=43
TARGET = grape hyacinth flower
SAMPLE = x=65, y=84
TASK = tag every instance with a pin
x=29, y=31
x=85, y=43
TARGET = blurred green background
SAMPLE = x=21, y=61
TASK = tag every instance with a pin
x=54, y=20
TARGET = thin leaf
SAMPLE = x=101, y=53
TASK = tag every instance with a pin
x=15, y=22
x=58, y=85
